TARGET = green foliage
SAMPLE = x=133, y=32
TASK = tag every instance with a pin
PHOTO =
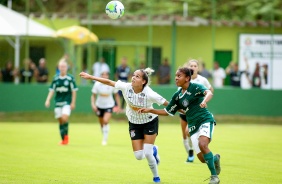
x=30, y=154
x=225, y=9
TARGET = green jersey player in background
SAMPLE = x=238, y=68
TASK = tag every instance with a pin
x=192, y=98
x=65, y=88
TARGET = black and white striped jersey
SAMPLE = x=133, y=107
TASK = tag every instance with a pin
x=134, y=101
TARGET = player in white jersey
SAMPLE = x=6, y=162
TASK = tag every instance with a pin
x=195, y=78
x=102, y=103
x=143, y=128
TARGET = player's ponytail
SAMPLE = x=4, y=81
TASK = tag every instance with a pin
x=146, y=73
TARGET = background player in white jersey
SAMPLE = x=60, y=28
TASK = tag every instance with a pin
x=195, y=78
x=102, y=102
x=143, y=128
x=193, y=98
x=64, y=86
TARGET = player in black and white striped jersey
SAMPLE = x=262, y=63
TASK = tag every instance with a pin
x=143, y=128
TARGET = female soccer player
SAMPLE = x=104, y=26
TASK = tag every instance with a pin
x=195, y=78
x=193, y=98
x=143, y=128
x=102, y=102
x=65, y=88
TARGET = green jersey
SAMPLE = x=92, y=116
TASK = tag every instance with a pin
x=190, y=102
x=63, y=87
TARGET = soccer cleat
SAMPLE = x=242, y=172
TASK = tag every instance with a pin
x=217, y=164
x=191, y=156
x=104, y=143
x=214, y=179
x=65, y=141
x=156, y=154
x=157, y=179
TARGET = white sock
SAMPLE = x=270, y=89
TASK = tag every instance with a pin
x=105, y=131
x=148, y=149
x=190, y=143
x=186, y=144
x=139, y=155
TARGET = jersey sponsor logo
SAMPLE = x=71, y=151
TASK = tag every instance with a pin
x=192, y=128
x=187, y=109
x=62, y=89
x=197, y=93
x=132, y=133
x=172, y=108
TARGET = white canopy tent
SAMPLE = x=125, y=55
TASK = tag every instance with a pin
x=14, y=24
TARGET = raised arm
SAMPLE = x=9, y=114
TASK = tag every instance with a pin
x=208, y=97
x=100, y=79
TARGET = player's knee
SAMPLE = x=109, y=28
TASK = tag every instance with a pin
x=148, y=149
x=139, y=155
x=203, y=146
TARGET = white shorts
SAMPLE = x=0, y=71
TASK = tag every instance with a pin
x=206, y=130
x=59, y=111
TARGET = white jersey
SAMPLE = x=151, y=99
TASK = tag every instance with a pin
x=134, y=102
x=201, y=80
x=104, y=95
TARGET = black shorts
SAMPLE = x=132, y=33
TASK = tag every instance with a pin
x=183, y=117
x=101, y=112
x=137, y=131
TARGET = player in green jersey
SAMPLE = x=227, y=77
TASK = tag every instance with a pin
x=192, y=98
x=65, y=88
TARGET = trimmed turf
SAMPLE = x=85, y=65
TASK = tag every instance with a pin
x=29, y=153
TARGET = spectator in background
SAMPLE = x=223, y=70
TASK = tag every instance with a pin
x=163, y=73
x=7, y=74
x=122, y=74
x=42, y=75
x=204, y=72
x=256, y=79
x=218, y=75
x=100, y=66
x=28, y=71
x=235, y=74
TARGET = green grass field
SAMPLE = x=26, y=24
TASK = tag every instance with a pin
x=29, y=153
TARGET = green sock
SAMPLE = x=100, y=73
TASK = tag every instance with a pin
x=62, y=132
x=210, y=162
x=66, y=128
x=215, y=159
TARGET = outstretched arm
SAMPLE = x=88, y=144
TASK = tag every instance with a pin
x=154, y=111
x=102, y=80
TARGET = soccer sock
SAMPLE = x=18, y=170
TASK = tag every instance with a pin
x=105, y=130
x=190, y=143
x=215, y=158
x=61, y=127
x=66, y=127
x=148, y=149
x=139, y=155
x=210, y=162
x=186, y=145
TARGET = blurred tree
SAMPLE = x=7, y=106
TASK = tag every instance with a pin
x=226, y=9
